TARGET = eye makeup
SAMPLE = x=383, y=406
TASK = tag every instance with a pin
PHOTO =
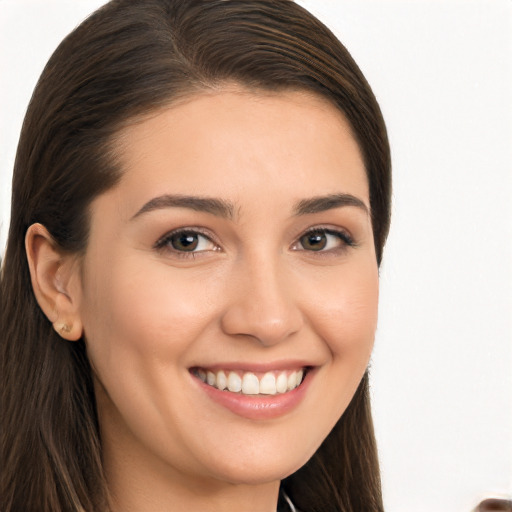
x=321, y=239
x=188, y=242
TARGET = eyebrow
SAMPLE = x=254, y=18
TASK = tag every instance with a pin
x=329, y=202
x=225, y=209
x=214, y=206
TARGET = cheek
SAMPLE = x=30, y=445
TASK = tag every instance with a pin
x=151, y=318
x=346, y=322
x=139, y=330
x=359, y=316
x=343, y=316
x=346, y=312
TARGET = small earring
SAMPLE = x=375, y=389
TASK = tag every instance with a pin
x=64, y=329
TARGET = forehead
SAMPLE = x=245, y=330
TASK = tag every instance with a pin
x=231, y=141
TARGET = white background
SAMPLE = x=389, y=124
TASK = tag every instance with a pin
x=442, y=367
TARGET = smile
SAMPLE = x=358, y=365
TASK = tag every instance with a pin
x=251, y=383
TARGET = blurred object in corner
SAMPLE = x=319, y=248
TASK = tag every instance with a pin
x=494, y=505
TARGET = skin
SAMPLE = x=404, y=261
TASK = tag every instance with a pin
x=253, y=292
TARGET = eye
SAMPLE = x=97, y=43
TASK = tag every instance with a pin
x=186, y=241
x=322, y=240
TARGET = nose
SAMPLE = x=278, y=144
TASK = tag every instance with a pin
x=262, y=305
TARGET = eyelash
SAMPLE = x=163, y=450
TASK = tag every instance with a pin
x=344, y=238
x=165, y=243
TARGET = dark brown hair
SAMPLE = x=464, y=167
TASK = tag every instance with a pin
x=128, y=59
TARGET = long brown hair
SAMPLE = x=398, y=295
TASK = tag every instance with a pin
x=128, y=59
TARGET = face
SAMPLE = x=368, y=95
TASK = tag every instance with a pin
x=229, y=288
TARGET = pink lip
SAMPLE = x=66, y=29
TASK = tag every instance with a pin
x=257, y=367
x=261, y=407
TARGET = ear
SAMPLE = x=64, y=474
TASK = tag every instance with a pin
x=56, y=281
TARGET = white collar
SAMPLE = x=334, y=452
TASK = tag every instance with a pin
x=289, y=501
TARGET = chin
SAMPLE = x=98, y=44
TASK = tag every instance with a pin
x=259, y=470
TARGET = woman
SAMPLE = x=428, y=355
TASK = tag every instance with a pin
x=202, y=194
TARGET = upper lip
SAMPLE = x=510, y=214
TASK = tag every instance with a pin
x=256, y=366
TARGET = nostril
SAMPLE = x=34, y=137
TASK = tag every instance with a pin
x=269, y=325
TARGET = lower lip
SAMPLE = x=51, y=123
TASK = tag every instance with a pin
x=258, y=407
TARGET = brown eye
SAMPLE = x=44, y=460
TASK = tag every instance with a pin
x=324, y=240
x=314, y=241
x=186, y=242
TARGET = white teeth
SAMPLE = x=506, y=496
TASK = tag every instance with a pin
x=292, y=381
x=222, y=381
x=234, y=382
x=250, y=384
x=210, y=378
x=268, y=384
x=282, y=383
